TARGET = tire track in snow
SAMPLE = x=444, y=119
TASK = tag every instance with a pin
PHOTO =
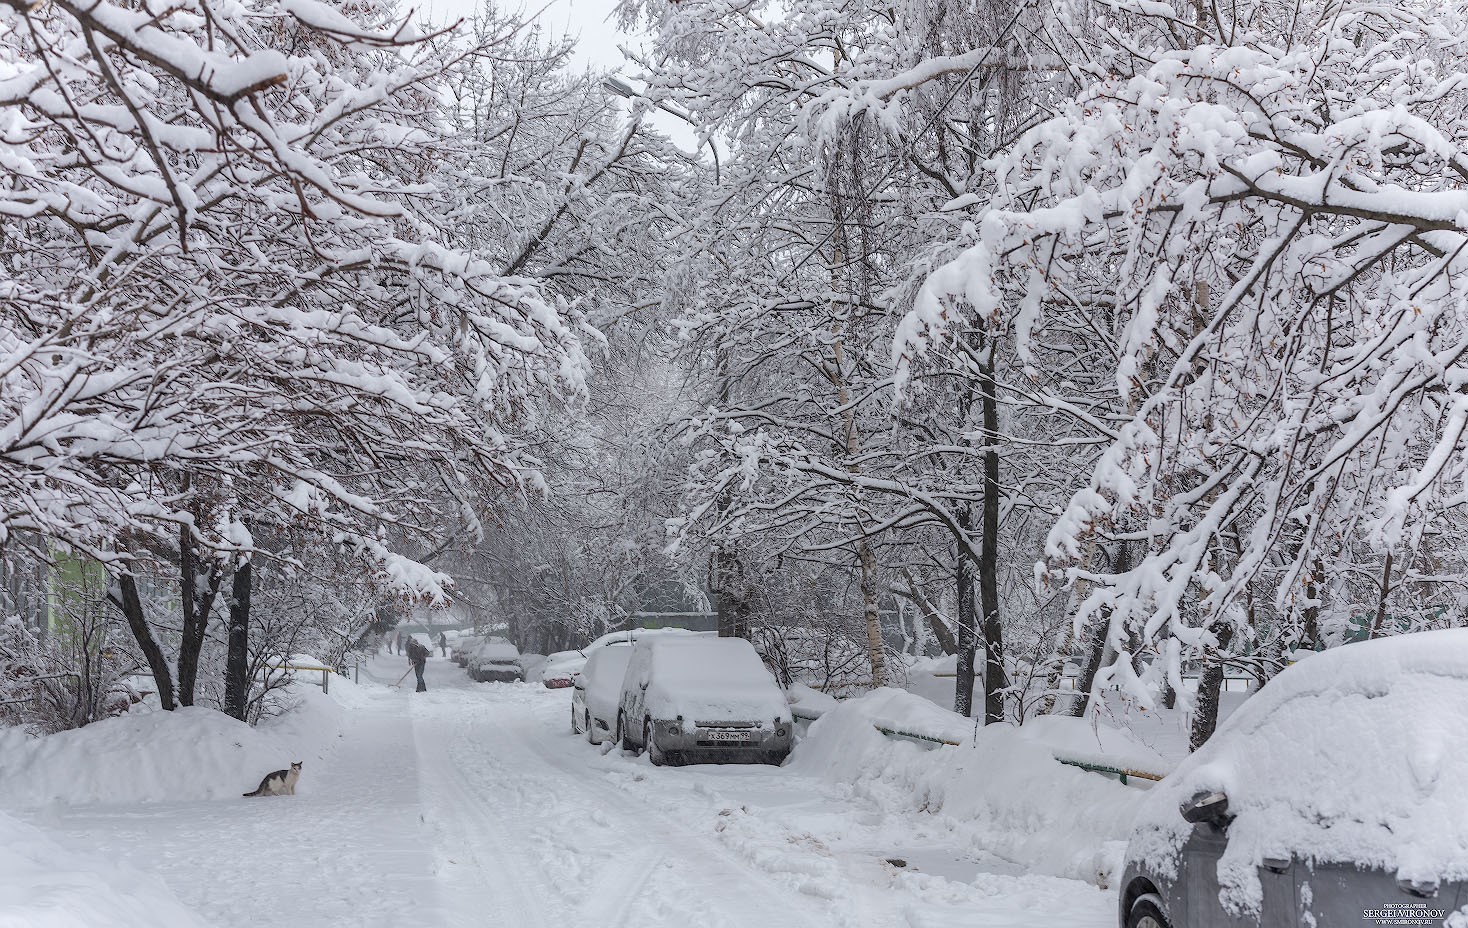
x=740, y=895
x=611, y=901
x=492, y=880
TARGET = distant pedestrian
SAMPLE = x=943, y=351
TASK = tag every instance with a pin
x=418, y=657
x=443, y=643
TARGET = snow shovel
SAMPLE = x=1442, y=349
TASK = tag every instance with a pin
x=399, y=684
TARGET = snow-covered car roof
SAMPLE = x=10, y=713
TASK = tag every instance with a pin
x=572, y=660
x=497, y=650
x=1355, y=755
x=710, y=678
x=637, y=634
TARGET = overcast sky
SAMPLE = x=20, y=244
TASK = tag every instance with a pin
x=589, y=22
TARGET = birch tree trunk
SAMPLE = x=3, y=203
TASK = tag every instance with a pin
x=866, y=560
x=876, y=649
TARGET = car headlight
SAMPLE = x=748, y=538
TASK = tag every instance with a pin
x=674, y=729
x=781, y=732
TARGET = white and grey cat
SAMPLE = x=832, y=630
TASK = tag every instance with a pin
x=279, y=783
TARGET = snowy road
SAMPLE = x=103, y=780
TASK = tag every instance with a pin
x=475, y=805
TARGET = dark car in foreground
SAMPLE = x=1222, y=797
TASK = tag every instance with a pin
x=1336, y=797
x=698, y=699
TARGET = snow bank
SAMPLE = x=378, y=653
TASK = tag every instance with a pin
x=1000, y=784
x=1089, y=741
x=43, y=886
x=810, y=700
x=190, y=753
x=1358, y=754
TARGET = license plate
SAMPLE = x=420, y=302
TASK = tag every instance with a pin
x=725, y=736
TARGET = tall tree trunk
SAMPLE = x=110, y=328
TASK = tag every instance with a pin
x=876, y=648
x=196, y=605
x=733, y=606
x=1310, y=635
x=968, y=633
x=995, y=678
x=1057, y=673
x=126, y=597
x=237, y=662
x=934, y=620
x=1096, y=647
x=1386, y=589
x=1210, y=681
x=866, y=560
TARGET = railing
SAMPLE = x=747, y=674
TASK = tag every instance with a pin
x=1124, y=774
x=1067, y=683
x=326, y=672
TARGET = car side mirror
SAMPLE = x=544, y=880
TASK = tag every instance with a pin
x=1208, y=806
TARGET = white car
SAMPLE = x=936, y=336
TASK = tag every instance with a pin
x=633, y=635
x=703, y=699
x=598, y=690
x=463, y=647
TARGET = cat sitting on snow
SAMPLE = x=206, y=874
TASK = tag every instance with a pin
x=279, y=783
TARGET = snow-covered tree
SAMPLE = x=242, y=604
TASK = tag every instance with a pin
x=1258, y=212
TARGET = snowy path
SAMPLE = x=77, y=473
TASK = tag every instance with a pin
x=474, y=805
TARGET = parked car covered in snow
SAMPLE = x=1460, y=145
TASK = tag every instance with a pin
x=464, y=647
x=495, y=661
x=598, y=690
x=531, y=664
x=1334, y=797
x=561, y=668
x=633, y=635
x=702, y=698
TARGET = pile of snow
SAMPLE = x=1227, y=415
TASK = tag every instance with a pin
x=1355, y=755
x=811, y=700
x=1089, y=741
x=190, y=753
x=533, y=666
x=44, y=886
x=1000, y=784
